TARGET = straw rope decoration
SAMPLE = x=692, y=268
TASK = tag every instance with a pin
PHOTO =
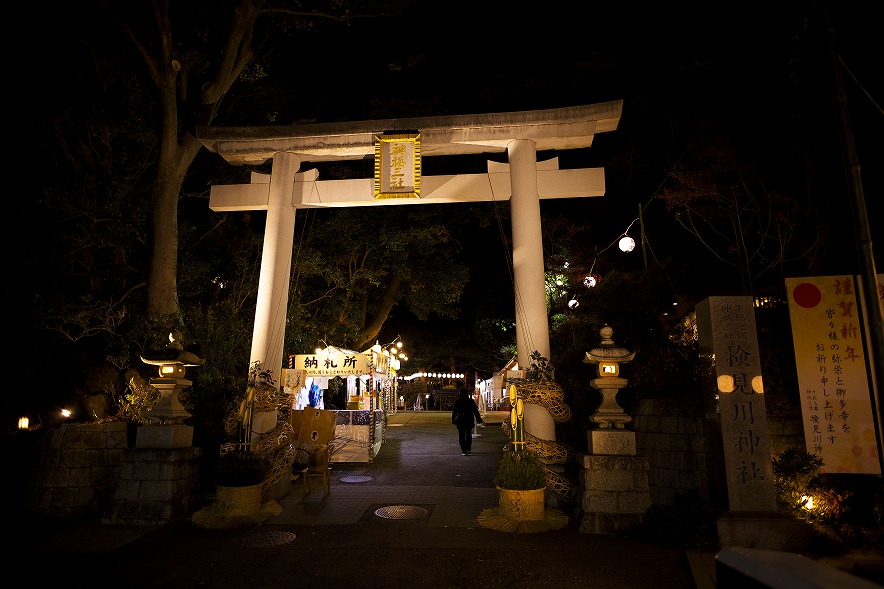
x=553, y=519
x=277, y=446
x=550, y=396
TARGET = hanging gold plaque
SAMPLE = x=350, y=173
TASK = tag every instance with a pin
x=397, y=165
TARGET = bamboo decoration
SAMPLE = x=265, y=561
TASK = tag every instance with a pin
x=517, y=420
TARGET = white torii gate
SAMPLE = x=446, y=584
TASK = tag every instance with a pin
x=523, y=181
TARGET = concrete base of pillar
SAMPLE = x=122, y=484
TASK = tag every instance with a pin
x=282, y=488
x=612, y=442
x=614, y=492
x=765, y=530
x=263, y=422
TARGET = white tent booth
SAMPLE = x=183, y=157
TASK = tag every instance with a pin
x=370, y=381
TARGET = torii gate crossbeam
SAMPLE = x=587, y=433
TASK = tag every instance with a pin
x=523, y=181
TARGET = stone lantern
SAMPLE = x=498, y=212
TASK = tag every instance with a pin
x=609, y=357
x=159, y=478
x=615, y=489
x=169, y=411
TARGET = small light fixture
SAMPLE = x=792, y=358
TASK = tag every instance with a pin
x=758, y=384
x=174, y=370
x=626, y=244
x=66, y=413
x=589, y=281
x=609, y=369
x=725, y=383
x=573, y=304
x=23, y=422
x=376, y=348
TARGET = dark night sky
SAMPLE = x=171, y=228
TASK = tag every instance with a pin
x=679, y=69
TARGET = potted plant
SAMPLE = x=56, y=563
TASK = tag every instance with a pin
x=240, y=468
x=238, y=476
x=521, y=484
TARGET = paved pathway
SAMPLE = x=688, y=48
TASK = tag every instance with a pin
x=338, y=541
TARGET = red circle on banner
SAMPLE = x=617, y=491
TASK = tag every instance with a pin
x=807, y=295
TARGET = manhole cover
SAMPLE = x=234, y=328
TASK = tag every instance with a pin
x=265, y=539
x=356, y=478
x=401, y=512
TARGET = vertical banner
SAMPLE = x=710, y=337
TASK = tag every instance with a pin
x=836, y=403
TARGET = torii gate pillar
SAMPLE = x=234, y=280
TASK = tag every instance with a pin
x=532, y=324
x=268, y=333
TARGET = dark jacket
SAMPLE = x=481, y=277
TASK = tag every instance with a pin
x=465, y=413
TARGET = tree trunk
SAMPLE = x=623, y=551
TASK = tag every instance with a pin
x=372, y=329
x=174, y=160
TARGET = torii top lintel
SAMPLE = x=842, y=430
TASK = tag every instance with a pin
x=551, y=129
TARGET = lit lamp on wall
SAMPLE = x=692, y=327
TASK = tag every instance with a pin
x=23, y=422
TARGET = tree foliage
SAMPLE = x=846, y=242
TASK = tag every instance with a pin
x=735, y=211
x=192, y=54
x=353, y=267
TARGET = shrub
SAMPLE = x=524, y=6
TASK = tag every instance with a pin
x=797, y=478
x=520, y=471
x=845, y=509
x=240, y=468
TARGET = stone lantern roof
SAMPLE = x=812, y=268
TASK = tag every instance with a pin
x=607, y=351
x=173, y=353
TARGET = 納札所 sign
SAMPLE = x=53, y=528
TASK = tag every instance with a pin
x=333, y=364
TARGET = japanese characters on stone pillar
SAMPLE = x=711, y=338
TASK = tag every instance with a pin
x=729, y=342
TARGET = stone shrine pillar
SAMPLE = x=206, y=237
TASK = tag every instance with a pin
x=740, y=468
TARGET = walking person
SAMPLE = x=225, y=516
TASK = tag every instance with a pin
x=464, y=415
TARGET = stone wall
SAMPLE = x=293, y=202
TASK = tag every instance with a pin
x=75, y=469
x=81, y=470
x=672, y=435
x=156, y=486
